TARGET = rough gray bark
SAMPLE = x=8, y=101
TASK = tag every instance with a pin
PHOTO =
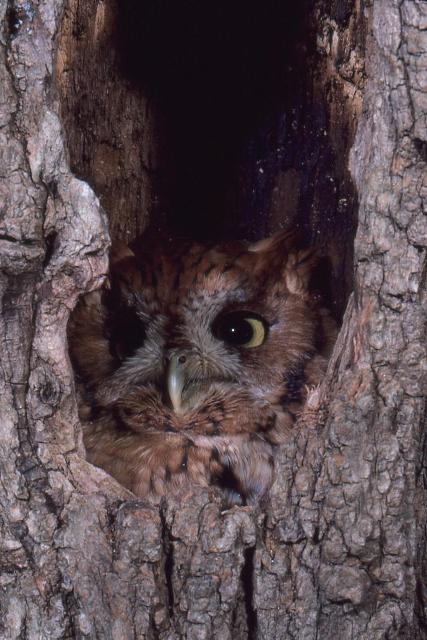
x=340, y=552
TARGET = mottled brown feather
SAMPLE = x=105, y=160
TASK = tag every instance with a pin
x=163, y=298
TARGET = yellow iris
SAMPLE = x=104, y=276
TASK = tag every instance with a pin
x=258, y=333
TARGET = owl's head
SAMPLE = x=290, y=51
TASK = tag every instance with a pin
x=185, y=319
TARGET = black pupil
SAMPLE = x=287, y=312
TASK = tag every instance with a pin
x=236, y=330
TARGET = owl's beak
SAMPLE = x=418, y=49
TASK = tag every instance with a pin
x=176, y=380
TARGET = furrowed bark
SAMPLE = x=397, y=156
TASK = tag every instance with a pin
x=339, y=552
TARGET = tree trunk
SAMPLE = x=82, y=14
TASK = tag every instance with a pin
x=340, y=550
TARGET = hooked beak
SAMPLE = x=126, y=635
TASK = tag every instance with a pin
x=176, y=381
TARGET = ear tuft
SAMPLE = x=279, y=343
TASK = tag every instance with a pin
x=120, y=251
x=123, y=266
x=282, y=241
x=299, y=270
x=283, y=251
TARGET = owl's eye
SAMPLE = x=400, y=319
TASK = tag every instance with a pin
x=241, y=329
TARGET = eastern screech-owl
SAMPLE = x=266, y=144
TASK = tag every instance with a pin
x=195, y=360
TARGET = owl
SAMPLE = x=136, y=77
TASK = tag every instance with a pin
x=195, y=360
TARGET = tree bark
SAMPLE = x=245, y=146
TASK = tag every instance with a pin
x=340, y=551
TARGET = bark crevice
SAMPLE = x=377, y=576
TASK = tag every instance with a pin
x=341, y=550
x=168, y=562
x=247, y=578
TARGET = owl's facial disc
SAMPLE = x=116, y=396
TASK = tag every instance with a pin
x=190, y=372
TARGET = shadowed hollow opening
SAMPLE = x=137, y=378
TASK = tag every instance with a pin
x=215, y=120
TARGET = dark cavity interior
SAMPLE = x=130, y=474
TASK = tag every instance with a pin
x=217, y=120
